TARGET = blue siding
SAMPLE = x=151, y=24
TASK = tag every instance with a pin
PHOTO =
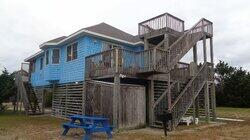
x=37, y=77
x=70, y=71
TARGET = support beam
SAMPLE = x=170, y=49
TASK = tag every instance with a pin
x=146, y=45
x=196, y=101
x=83, y=97
x=116, y=97
x=116, y=91
x=166, y=46
x=151, y=102
x=195, y=57
x=213, y=96
x=206, y=95
x=213, y=102
x=211, y=51
x=204, y=49
x=43, y=100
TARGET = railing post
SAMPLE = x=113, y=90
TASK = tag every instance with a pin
x=203, y=28
x=154, y=59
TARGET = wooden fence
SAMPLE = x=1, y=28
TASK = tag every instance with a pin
x=96, y=98
x=132, y=106
x=68, y=100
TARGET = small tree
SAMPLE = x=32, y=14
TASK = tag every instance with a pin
x=7, y=87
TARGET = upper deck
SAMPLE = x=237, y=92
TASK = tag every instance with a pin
x=161, y=23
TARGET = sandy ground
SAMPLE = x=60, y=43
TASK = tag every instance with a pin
x=21, y=127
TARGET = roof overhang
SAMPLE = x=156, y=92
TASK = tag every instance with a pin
x=30, y=58
x=86, y=32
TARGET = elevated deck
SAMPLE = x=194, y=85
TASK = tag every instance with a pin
x=161, y=24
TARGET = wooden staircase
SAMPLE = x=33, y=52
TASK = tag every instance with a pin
x=189, y=94
x=28, y=95
x=182, y=101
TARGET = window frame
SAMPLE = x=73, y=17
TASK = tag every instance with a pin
x=53, y=57
x=41, y=63
x=33, y=66
x=47, y=57
x=72, y=54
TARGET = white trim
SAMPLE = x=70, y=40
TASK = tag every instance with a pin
x=34, y=55
x=92, y=33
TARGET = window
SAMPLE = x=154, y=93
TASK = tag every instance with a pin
x=55, y=56
x=108, y=46
x=41, y=63
x=72, y=52
x=47, y=57
x=32, y=65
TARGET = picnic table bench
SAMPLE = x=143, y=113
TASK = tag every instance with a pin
x=90, y=124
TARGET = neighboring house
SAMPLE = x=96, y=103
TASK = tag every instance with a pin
x=62, y=60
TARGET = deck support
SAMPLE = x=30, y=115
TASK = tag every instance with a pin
x=207, y=110
x=213, y=96
x=206, y=87
x=116, y=92
x=146, y=46
x=196, y=101
x=166, y=46
x=151, y=102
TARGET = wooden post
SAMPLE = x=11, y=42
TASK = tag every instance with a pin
x=211, y=51
x=116, y=91
x=66, y=100
x=204, y=49
x=166, y=46
x=146, y=47
x=206, y=94
x=151, y=102
x=43, y=101
x=196, y=101
x=83, y=97
x=213, y=96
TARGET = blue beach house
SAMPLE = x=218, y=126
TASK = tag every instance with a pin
x=62, y=60
x=133, y=80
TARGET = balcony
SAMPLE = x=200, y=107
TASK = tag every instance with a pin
x=162, y=22
x=125, y=62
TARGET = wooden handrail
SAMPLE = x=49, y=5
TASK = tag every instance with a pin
x=163, y=95
x=188, y=85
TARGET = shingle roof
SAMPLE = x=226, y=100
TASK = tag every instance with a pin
x=111, y=31
x=56, y=39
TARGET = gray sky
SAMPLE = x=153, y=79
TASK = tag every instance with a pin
x=26, y=24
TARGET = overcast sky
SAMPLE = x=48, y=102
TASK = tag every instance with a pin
x=24, y=24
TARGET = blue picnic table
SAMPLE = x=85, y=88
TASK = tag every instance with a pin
x=90, y=124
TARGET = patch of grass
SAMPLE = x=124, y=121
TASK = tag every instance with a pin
x=229, y=112
x=19, y=126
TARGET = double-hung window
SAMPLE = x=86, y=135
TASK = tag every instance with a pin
x=47, y=57
x=72, y=52
x=55, y=56
x=41, y=63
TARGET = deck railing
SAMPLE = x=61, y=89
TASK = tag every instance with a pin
x=188, y=40
x=189, y=93
x=125, y=62
x=159, y=22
